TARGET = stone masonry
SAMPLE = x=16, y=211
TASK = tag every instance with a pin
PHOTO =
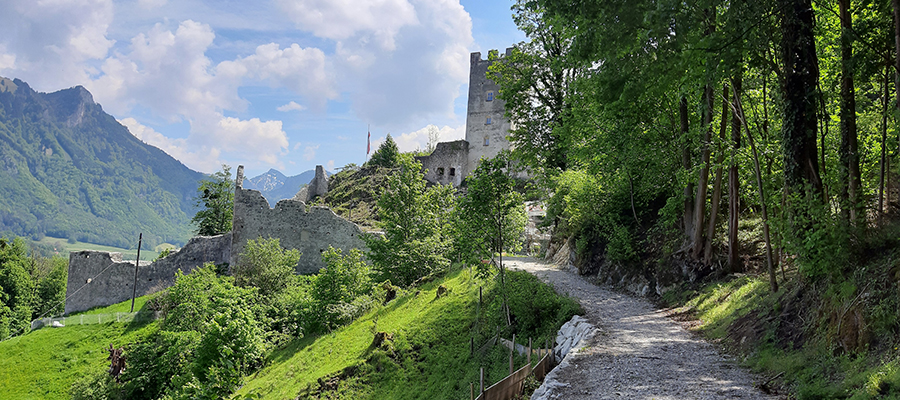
x=486, y=129
x=311, y=232
x=100, y=278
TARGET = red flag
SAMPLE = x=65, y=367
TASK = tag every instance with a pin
x=368, y=144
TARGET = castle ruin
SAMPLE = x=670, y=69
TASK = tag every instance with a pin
x=486, y=128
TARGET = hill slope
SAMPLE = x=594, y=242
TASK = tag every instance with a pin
x=68, y=169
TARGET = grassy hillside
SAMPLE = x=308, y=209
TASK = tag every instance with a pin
x=428, y=356
x=44, y=363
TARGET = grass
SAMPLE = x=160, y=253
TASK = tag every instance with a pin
x=428, y=357
x=62, y=248
x=44, y=363
x=788, y=335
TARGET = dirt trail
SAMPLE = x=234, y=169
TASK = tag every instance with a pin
x=638, y=353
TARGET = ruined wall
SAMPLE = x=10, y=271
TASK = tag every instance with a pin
x=309, y=232
x=317, y=187
x=447, y=163
x=486, y=125
x=100, y=278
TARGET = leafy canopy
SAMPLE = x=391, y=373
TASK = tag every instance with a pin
x=215, y=197
x=416, y=224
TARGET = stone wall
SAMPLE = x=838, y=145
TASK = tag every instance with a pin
x=100, y=278
x=317, y=187
x=486, y=124
x=309, y=232
x=447, y=163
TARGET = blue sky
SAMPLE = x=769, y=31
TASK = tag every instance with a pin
x=284, y=84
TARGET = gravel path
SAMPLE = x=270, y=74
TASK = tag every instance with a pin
x=638, y=352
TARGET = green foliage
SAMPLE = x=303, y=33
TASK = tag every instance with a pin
x=426, y=357
x=535, y=83
x=208, y=341
x=342, y=290
x=536, y=310
x=387, y=155
x=491, y=217
x=215, y=199
x=416, y=222
x=264, y=264
x=31, y=286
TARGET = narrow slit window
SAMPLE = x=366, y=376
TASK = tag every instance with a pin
x=487, y=141
x=440, y=171
x=452, y=171
x=487, y=121
x=490, y=96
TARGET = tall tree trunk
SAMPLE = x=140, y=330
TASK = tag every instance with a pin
x=801, y=72
x=770, y=262
x=703, y=181
x=850, y=175
x=884, y=159
x=686, y=164
x=717, y=185
x=734, y=206
x=896, y=6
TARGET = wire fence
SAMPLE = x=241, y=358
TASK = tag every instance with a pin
x=92, y=319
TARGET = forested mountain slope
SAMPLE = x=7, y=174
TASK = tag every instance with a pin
x=68, y=169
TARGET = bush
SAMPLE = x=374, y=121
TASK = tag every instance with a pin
x=535, y=309
x=265, y=265
x=342, y=290
x=416, y=224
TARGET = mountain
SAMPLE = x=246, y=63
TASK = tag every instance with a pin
x=68, y=169
x=276, y=186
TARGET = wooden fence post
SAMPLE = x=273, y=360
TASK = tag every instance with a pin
x=482, y=380
x=529, y=351
x=471, y=391
x=512, y=349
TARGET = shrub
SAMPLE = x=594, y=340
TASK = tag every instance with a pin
x=264, y=264
x=342, y=290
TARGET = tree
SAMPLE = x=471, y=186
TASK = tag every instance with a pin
x=266, y=265
x=535, y=83
x=216, y=201
x=415, y=220
x=491, y=216
x=387, y=155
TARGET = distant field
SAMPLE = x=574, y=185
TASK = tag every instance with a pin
x=62, y=247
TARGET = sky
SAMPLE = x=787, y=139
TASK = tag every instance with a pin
x=284, y=84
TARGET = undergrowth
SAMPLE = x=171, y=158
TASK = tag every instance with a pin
x=418, y=345
x=817, y=338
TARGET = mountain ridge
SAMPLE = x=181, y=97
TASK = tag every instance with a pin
x=69, y=169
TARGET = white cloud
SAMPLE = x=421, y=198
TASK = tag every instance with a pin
x=418, y=140
x=252, y=140
x=329, y=166
x=168, y=73
x=302, y=70
x=372, y=20
x=50, y=43
x=309, y=153
x=205, y=160
x=416, y=80
x=292, y=106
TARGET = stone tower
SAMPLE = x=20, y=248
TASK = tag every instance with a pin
x=486, y=124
